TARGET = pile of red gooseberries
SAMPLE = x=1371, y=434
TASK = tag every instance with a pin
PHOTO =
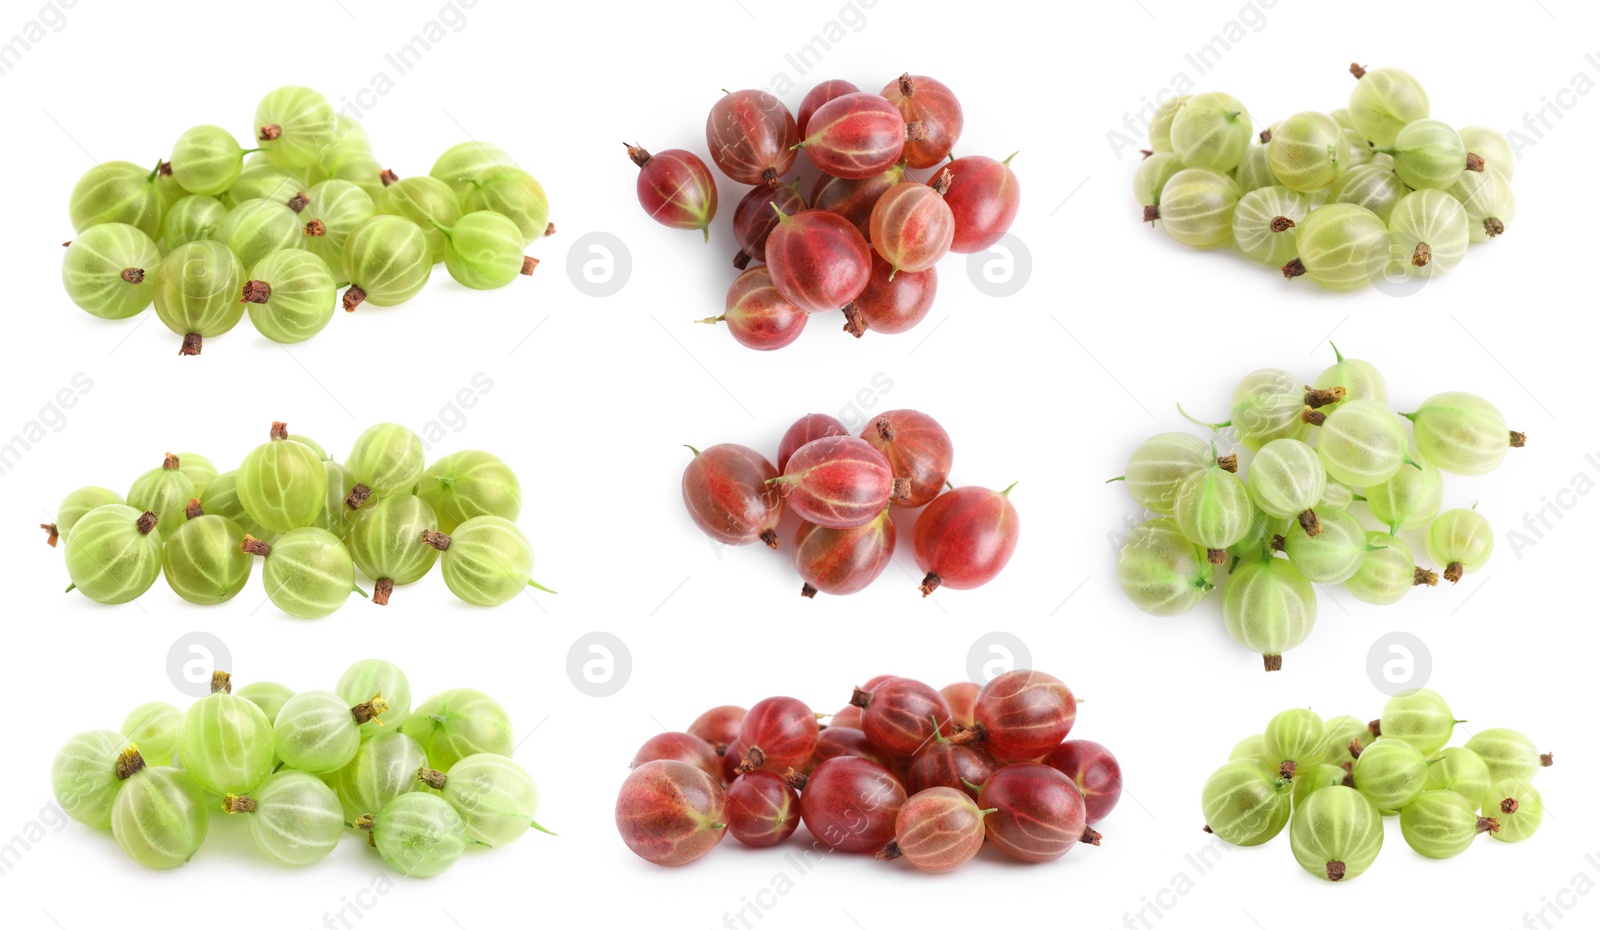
x=842, y=487
x=887, y=202
x=902, y=772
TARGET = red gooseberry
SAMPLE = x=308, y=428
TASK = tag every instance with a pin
x=938, y=830
x=942, y=763
x=892, y=302
x=854, y=199
x=676, y=189
x=983, y=197
x=819, y=95
x=719, y=726
x=918, y=450
x=753, y=219
x=1035, y=813
x=911, y=226
x=1021, y=715
x=732, y=758
x=726, y=489
x=850, y=804
x=965, y=538
x=843, y=561
x=683, y=747
x=961, y=697
x=809, y=427
x=778, y=734
x=818, y=260
x=670, y=812
x=856, y=135
x=752, y=137
x=763, y=808
x=838, y=482
x=928, y=103
x=901, y=715
x=1094, y=770
x=877, y=680
x=758, y=316
x=848, y=717
x=837, y=740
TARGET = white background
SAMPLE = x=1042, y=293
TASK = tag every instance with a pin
x=591, y=399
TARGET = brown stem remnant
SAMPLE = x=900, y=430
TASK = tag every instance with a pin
x=860, y=698
x=1294, y=269
x=353, y=296
x=1357, y=71
x=54, y=533
x=1335, y=871
x=381, y=589
x=1310, y=523
x=1090, y=837
x=370, y=710
x=770, y=537
x=1356, y=749
x=1375, y=727
x=256, y=546
x=170, y=462
x=1423, y=255
x=133, y=275
x=234, y=804
x=436, y=539
x=191, y=344
x=915, y=131
x=941, y=184
x=1145, y=153
x=1280, y=224
x=1287, y=769
x=316, y=228
x=1475, y=162
x=908, y=87
x=1279, y=544
x=194, y=511
x=1206, y=828
x=269, y=133
x=887, y=853
x=299, y=202
x=807, y=590
x=901, y=490
x=886, y=430
x=528, y=264
x=639, y=154
x=1547, y=759
x=1152, y=213
x=364, y=822
x=1272, y=663
x=256, y=292
x=146, y=523
x=1313, y=417
x=930, y=583
x=1518, y=440
x=1322, y=397
x=279, y=430
x=388, y=177
x=221, y=683
x=1217, y=556
x=433, y=778
x=1492, y=227
x=1228, y=463
x=754, y=758
x=1488, y=825
x=1265, y=135
x=164, y=169
x=358, y=496
x=1424, y=576
x=129, y=763
x=855, y=322
x=1453, y=572
x=741, y=260
x=549, y=230
x=1508, y=806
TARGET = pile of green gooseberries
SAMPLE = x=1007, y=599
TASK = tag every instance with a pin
x=218, y=230
x=1331, y=782
x=305, y=769
x=311, y=520
x=1376, y=189
x=1316, y=452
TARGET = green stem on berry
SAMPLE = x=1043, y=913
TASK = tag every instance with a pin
x=1214, y=427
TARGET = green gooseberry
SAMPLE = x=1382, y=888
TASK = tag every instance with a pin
x=86, y=775
x=1196, y=207
x=358, y=168
x=153, y=730
x=319, y=731
x=1264, y=220
x=1159, y=465
x=386, y=259
x=263, y=180
x=468, y=160
x=109, y=271
x=225, y=741
x=308, y=572
x=1255, y=171
x=384, y=768
x=166, y=492
x=1259, y=538
x=468, y=484
x=294, y=125
x=1427, y=153
x=1332, y=556
x=1286, y=480
x=200, y=470
x=1492, y=147
x=1162, y=572
x=1410, y=498
x=1388, y=571
x=1346, y=737
x=206, y=160
x=487, y=561
x=270, y=696
x=1461, y=540
x=1428, y=233
x=386, y=459
x=254, y=229
x=1269, y=606
x=221, y=498
x=281, y=483
x=313, y=445
x=515, y=194
x=1251, y=749
x=1461, y=770
x=335, y=516
x=191, y=219
x=1212, y=130
x=1390, y=773
x=1336, y=496
x=495, y=797
x=159, y=818
x=1161, y=123
x=1244, y=805
x=1384, y=101
x=386, y=541
x=1336, y=834
x=427, y=202
x=418, y=834
x=1420, y=717
x=1442, y=824
x=1342, y=117
x=1267, y=404
x=454, y=724
x=1213, y=509
x=114, y=554
x=1462, y=433
x=1152, y=175
x=1294, y=738
x=1517, y=807
x=1341, y=246
x=74, y=506
x=1509, y=754
x=1315, y=778
x=1363, y=443
x=1358, y=150
x=334, y=209
x=204, y=560
x=1308, y=152
x=117, y=192
x=1487, y=198
x=1372, y=187
x=197, y=292
x=294, y=818
x=376, y=676
x=291, y=296
x=483, y=250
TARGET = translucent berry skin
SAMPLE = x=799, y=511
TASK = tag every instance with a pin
x=454, y=724
x=1024, y=714
x=901, y=716
x=1442, y=824
x=1387, y=572
x=961, y=696
x=1508, y=754
x=116, y=192
x=483, y=251
x=1269, y=607
x=1341, y=246
x=78, y=503
x=1266, y=405
x=855, y=136
x=1259, y=227
x=818, y=260
x=226, y=743
x=754, y=218
x=516, y=195
x=854, y=199
x=419, y=834
x=254, y=229
x=467, y=160
x=1461, y=770
x=1462, y=433
x=1411, y=498
x=206, y=160
x=1517, y=806
x=1390, y=773
x=843, y=561
x=1371, y=187
x=684, y=747
x=938, y=830
x=204, y=561
x=1384, y=101
x=387, y=259
x=83, y=776
x=197, y=291
x=726, y=491
x=1428, y=154
x=1332, y=556
x=719, y=726
x=1154, y=172
x=336, y=209
x=153, y=727
x=918, y=449
x=1095, y=772
x=965, y=538
x=384, y=768
x=837, y=482
x=160, y=817
x=942, y=763
x=1211, y=131
x=676, y=188
x=489, y=561
x=843, y=737
x=270, y=696
x=302, y=298
x=468, y=484
x=1159, y=465
x=1038, y=813
x=763, y=810
x=934, y=108
x=1197, y=207
x=111, y=558
x=192, y=218
x=818, y=96
x=387, y=458
x=266, y=181
x=893, y=301
x=1286, y=478
x=385, y=540
x=281, y=484
x=309, y=573
x=1161, y=571
x=752, y=137
x=984, y=197
x=758, y=315
x=1244, y=804
x=305, y=124
x=1487, y=198
x=912, y=227
x=671, y=813
x=807, y=428
x=164, y=491
x=109, y=271
x=296, y=819
x=1308, y=152
x=1420, y=717
x=850, y=804
x=496, y=798
x=1363, y=443
x=427, y=202
x=778, y=733
x=1336, y=833
x=1213, y=509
